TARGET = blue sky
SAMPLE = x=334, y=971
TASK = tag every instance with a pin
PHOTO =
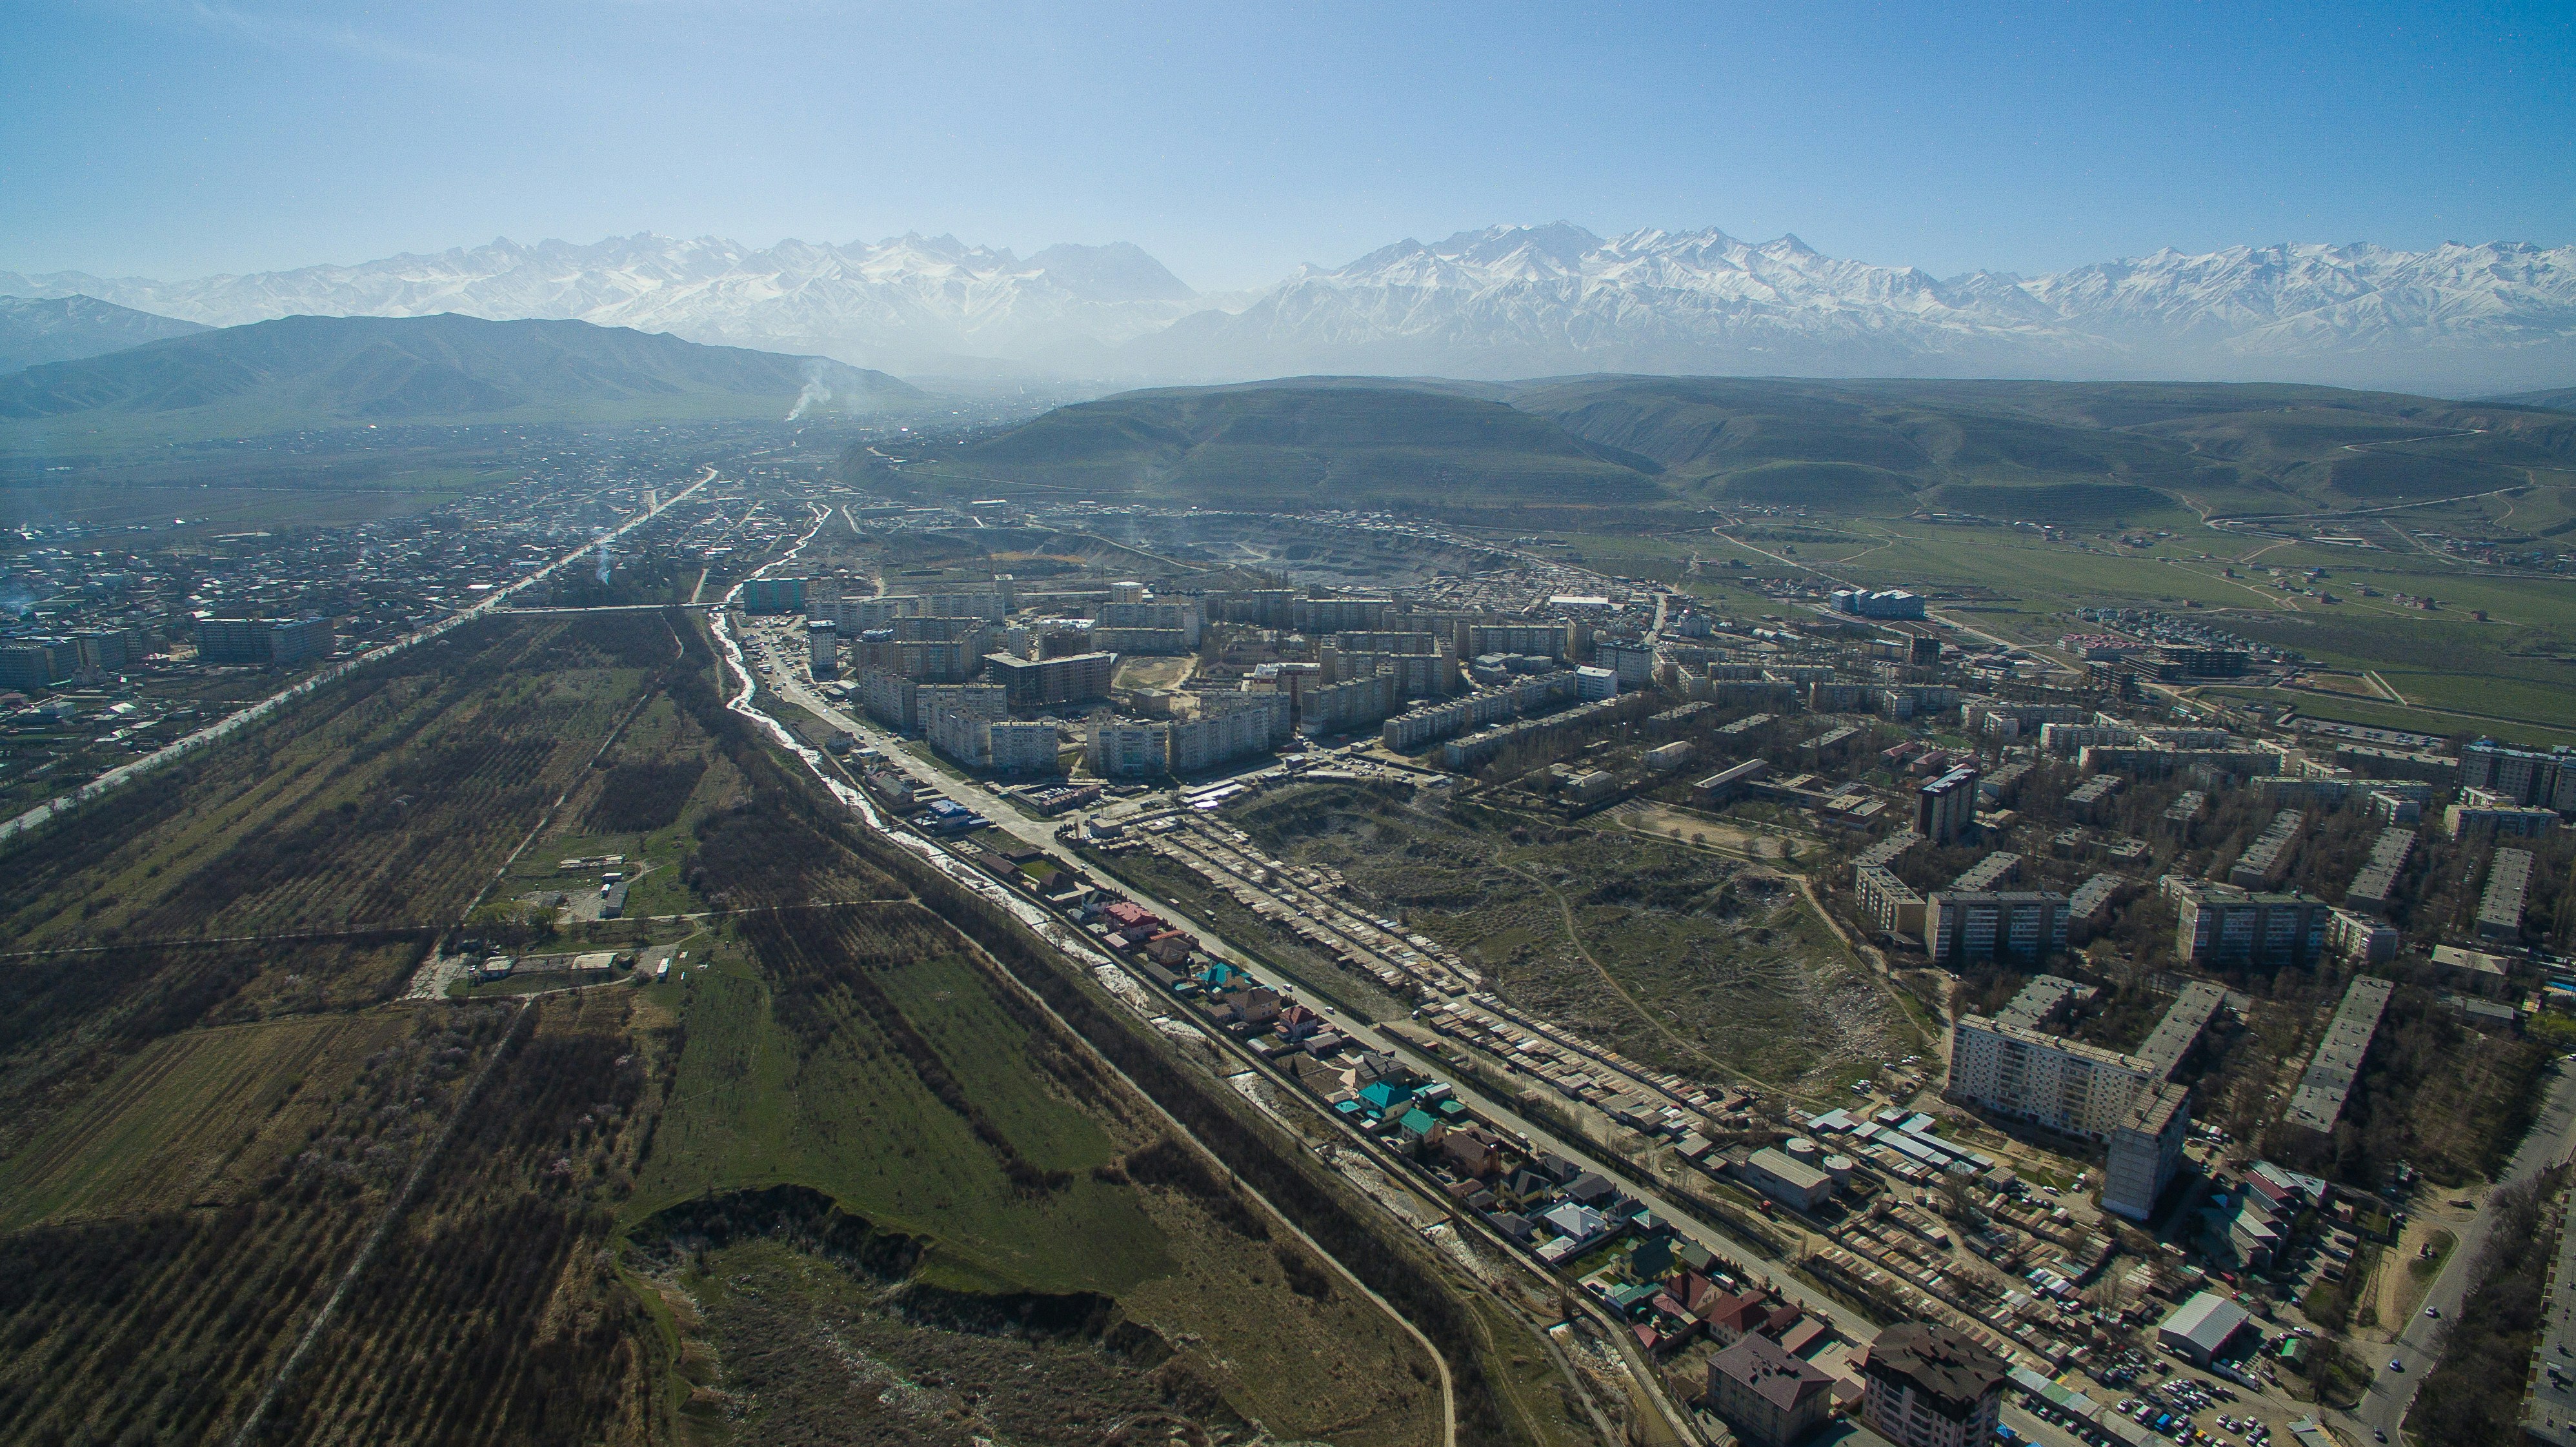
x=1237, y=141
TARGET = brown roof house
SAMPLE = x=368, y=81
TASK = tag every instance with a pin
x=1770, y=1398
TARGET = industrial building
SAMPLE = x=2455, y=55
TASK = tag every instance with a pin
x=1786, y=1179
x=2202, y=1329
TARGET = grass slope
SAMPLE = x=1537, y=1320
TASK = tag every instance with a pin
x=1307, y=443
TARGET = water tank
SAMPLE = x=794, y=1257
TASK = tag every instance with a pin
x=1840, y=1168
x=1802, y=1149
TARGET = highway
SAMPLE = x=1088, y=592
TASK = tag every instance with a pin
x=242, y=718
x=2383, y=1408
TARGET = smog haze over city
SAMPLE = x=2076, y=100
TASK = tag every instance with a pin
x=1221, y=724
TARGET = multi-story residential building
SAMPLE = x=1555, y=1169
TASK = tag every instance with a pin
x=1928, y=1385
x=2319, y=1099
x=1339, y=615
x=1339, y=707
x=262, y=640
x=2268, y=857
x=2221, y=924
x=889, y=698
x=1886, y=902
x=1229, y=726
x=1546, y=640
x=2483, y=812
x=1946, y=805
x=2146, y=1150
x=2025, y=1072
x=773, y=595
x=2025, y=925
x=2521, y=776
x=2375, y=884
x=1036, y=683
x=822, y=648
x=1024, y=748
x=1182, y=617
x=927, y=660
x=2508, y=886
x=1116, y=750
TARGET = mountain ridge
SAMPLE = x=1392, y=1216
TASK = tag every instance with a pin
x=1496, y=302
x=304, y=371
x=37, y=330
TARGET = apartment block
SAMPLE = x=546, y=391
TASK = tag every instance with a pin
x=1117, y=750
x=1886, y=901
x=2508, y=886
x=1946, y=805
x=2016, y=925
x=2221, y=924
x=1037, y=683
x=2146, y=1151
x=1241, y=725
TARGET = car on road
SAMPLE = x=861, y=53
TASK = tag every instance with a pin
x=2433, y=1313
x=2395, y=1365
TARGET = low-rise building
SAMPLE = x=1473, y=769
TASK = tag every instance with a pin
x=2202, y=1329
x=1786, y=1179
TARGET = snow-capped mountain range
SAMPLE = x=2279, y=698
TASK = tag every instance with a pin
x=1507, y=301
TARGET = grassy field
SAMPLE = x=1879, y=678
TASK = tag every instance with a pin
x=195, y=1120
x=387, y=802
x=1000, y=1237
x=2509, y=674
x=1671, y=954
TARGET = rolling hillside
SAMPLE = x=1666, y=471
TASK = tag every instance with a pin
x=302, y=372
x=2063, y=451
x=1309, y=442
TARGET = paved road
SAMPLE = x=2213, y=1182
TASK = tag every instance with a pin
x=2552, y=1140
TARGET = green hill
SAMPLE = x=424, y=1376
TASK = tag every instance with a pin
x=1306, y=442
x=2077, y=452
x=306, y=372
x=2051, y=449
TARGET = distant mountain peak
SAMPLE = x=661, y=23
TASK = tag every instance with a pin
x=1511, y=300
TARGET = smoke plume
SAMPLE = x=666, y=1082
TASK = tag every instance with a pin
x=815, y=392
